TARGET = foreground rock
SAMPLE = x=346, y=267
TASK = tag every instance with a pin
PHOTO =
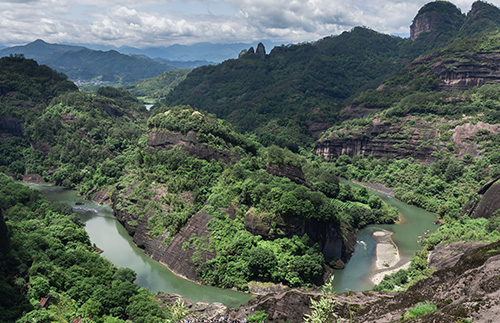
x=466, y=289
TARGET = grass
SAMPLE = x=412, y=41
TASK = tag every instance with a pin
x=420, y=310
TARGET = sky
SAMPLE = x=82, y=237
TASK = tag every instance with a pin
x=148, y=23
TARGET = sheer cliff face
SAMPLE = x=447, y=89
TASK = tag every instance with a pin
x=442, y=19
x=411, y=137
x=423, y=24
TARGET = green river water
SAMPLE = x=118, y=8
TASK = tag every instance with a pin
x=108, y=234
x=358, y=271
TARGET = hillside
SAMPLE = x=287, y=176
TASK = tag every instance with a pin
x=80, y=63
x=155, y=88
x=293, y=93
x=187, y=184
x=207, y=190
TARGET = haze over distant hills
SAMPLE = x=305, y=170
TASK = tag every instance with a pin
x=124, y=64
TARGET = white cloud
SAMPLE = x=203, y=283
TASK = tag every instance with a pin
x=163, y=22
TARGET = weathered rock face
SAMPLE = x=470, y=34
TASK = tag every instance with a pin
x=465, y=71
x=485, y=202
x=165, y=139
x=261, y=51
x=444, y=256
x=466, y=288
x=411, y=137
x=33, y=178
x=435, y=17
x=178, y=259
x=380, y=140
x=464, y=135
x=295, y=174
x=333, y=241
x=490, y=203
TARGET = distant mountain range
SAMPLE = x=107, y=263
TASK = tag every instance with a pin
x=207, y=52
x=125, y=64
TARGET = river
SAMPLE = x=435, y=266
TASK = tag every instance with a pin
x=108, y=234
x=356, y=276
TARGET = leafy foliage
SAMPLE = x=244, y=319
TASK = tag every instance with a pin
x=51, y=257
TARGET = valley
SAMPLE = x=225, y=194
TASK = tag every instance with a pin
x=244, y=190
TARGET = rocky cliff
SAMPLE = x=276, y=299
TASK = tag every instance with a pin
x=166, y=140
x=410, y=137
x=381, y=139
x=462, y=71
x=170, y=251
x=333, y=242
x=438, y=19
x=485, y=202
x=465, y=289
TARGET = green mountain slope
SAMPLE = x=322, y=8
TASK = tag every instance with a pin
x=80, y=63
x=153, y=89
x=296, y=91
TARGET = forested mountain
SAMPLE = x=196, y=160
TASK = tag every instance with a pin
x=228, y=208
x=296, y=91
x=80, y=63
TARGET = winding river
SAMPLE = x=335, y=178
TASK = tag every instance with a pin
x=107, y=233
x=356, y=276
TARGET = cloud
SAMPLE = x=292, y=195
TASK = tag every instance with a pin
x=164, y=22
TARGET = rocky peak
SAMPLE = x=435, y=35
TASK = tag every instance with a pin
x=261, y=51
x=436, y=17
x=483, y=17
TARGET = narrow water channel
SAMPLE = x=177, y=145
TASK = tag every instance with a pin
x=108, y=234
x=356, y=276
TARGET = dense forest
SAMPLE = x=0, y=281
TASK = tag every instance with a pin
x=251, y=150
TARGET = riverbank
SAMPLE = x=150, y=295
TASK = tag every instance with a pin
x=389, y=191
x=387, y=256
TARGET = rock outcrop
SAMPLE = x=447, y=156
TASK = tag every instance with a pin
x=333, y=241
x=468, y=288
x=411, y=137
x=438, y=17
x=463, y=71
x=174, y=255
x=381, y=139
x=166, y=140
x=485, y=202
x=261, y=51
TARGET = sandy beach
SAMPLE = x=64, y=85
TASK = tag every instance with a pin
x=387, y=256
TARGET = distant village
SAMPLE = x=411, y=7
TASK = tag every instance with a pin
x=80, y=82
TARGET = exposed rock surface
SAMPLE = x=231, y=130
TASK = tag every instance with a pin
x=261, y=51
x=295, y=174
x=333, y=242
x=381, y=139
x=464, y=71
x=102, y=197
x=437, y=17
x=176, y=257
x=490, y=203
x=464, y=135
x=33, y=178
x=165, y=139
x=411, y=137
x=484, y=202
x=468, y=288
x=444, y=256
